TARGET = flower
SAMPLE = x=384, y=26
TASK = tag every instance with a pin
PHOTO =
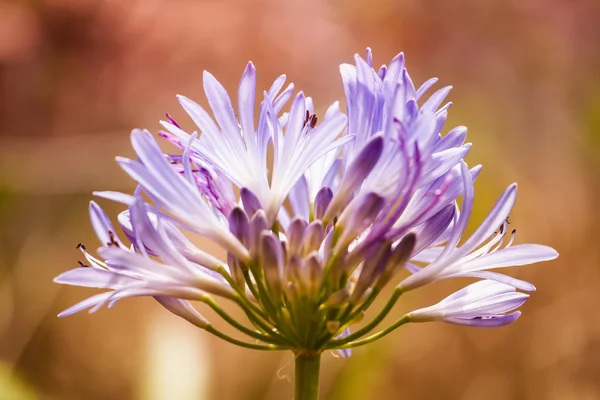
x=482, y=304
x=313, y=234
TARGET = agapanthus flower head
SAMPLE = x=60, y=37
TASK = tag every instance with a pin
x=310, y=236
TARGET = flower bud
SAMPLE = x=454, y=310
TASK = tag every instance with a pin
x=314, y=271
x=322, y=201
x=356, y=173
x=313, y=237
x=271, y=258
x=295, y=235
x=357, y=217
x=250, y=201
x=239, y=225
x=399, y=255
x=337, y=299
x=236, y=267
x=377, y=257
x=258, y=224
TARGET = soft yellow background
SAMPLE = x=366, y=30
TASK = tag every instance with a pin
x=76, y=76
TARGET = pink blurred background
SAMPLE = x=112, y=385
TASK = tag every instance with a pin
x=77, y=75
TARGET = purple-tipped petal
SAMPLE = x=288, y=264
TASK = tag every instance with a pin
x=295, y=235
x=495, y=321
x=250, y=201
x=183, y=309
x=356, y=173
x=313, y=236
x=322, y=201
x=239, y=225
x=103, y=227
x=272, y=258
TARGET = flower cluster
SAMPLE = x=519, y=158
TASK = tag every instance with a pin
x=314, y=216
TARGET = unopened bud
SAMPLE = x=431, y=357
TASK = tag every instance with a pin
x=295, y=235
x=400, y=254
x=271, y=260
x=236, y=267
x=356, y=173
x=376, y=258
x=357, y=217
x=313, y=237
x=322, y=200
x=314, y=269
x=337, y=299
x=250, y=201
x=332, y=327
x=258, y=224
x=239, y=225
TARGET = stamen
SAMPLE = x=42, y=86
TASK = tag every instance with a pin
x=112, y=241
x=498, y=237
x=512, y=238
x=172, y=120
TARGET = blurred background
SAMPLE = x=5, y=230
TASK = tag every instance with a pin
x=77, y=75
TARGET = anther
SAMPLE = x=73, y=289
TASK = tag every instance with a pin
x=112, y=241
x=80, y=246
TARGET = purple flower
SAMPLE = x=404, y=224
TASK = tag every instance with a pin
x=309, y=237
x=483, y=304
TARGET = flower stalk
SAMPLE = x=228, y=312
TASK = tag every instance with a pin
x=306, y=382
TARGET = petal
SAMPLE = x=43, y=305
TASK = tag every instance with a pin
x=102, y=225
x=455, y=138
x=223, y=111
x=517, y=255
x=355, y=174
x=493, y=322
x=344, y=353
x=463, y=219
x=299, y=200
x=442, y=162
x=495, y=218
x=200, y=117
x=496, y=304
x=429, y=231
x=509, y=280
x=87, y=303
x=92, y=277
x=246, y=99
x=436, y=99
x=116, y=196
x=425, y=87
x=183, y=309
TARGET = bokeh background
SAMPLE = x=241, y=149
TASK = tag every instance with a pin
x=77, y=75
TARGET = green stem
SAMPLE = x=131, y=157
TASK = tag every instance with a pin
x=371, y=325
x=375, y=336
x=306, y=384
x=254, y=334
x=214, y=331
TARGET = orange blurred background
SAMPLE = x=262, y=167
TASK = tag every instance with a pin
x=77, y=75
